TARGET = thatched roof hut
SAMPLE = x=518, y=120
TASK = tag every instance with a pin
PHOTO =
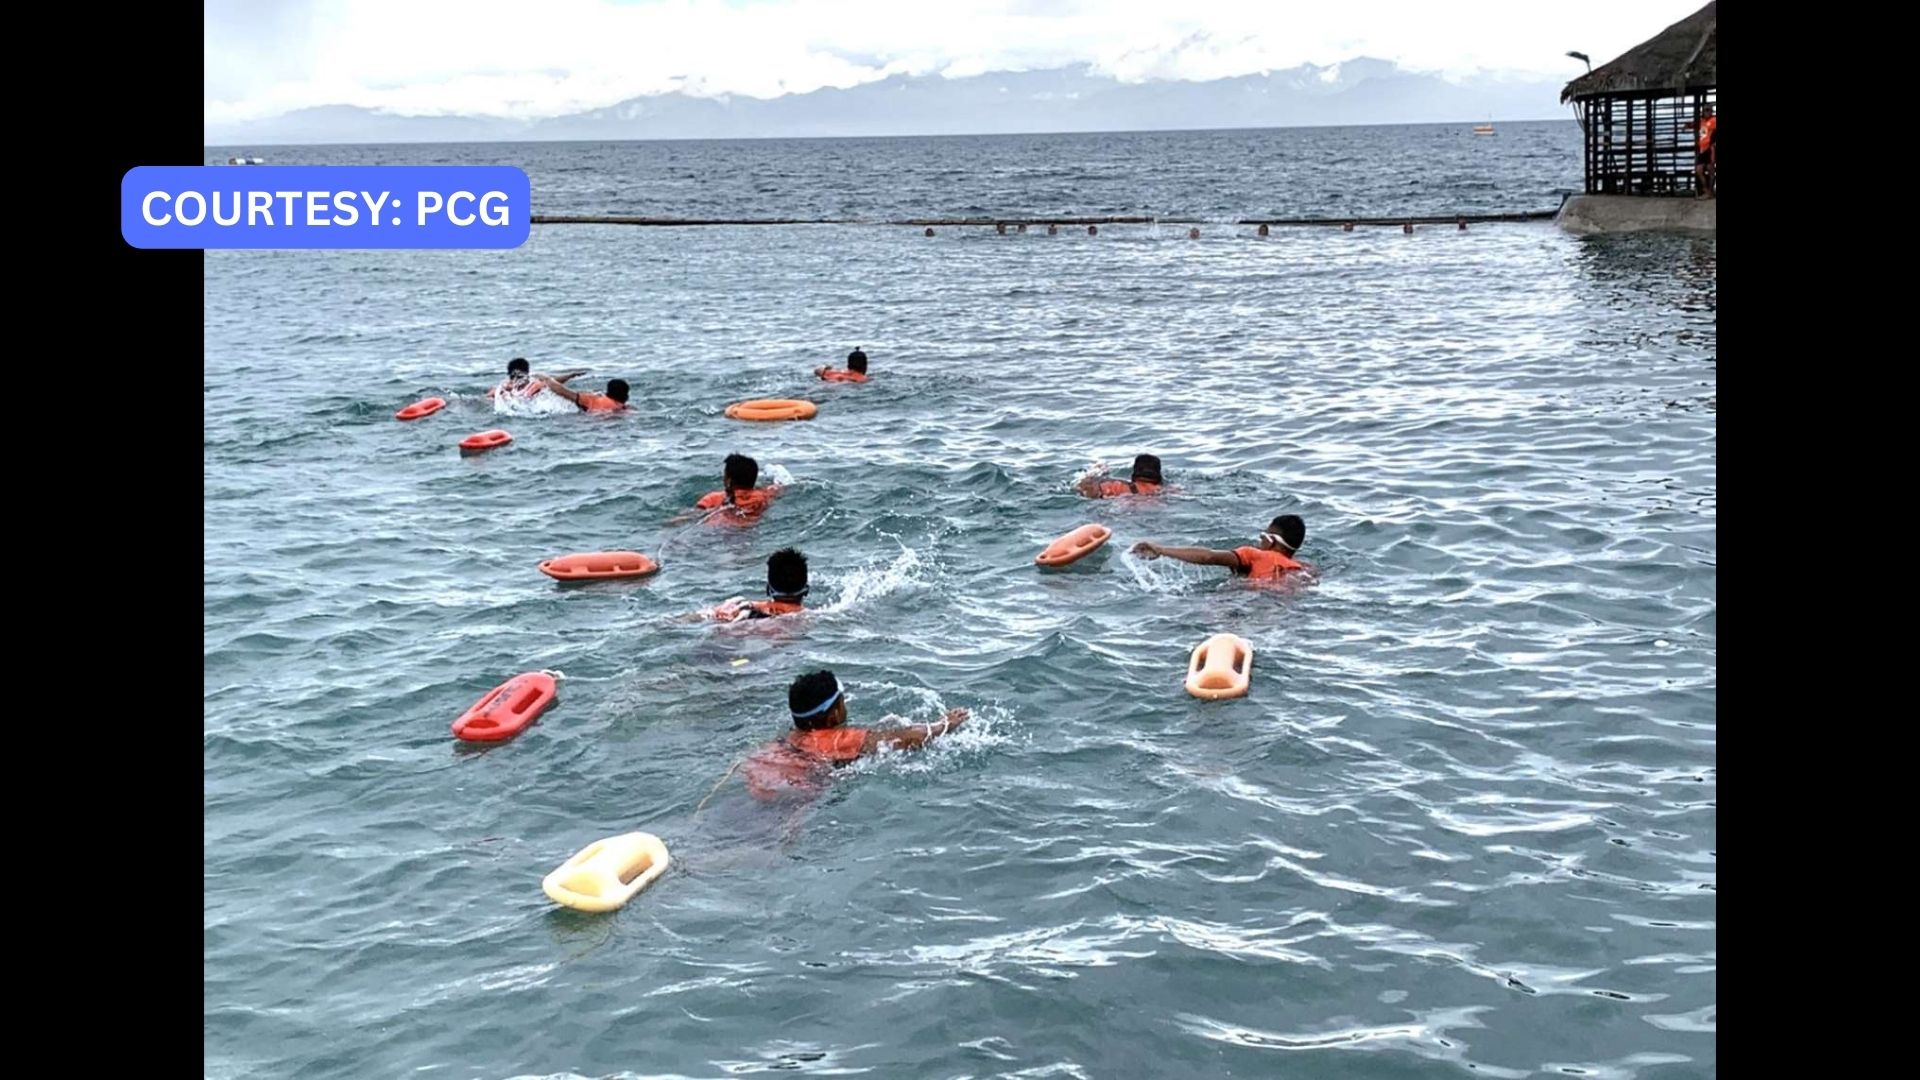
x=1641, y=113
x=1679, y=59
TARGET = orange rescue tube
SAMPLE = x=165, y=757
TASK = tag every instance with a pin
x=482, y=441
x=1074, y=546
x=423, y=407
x=772, y=409
x=1221, y=667
x=599, y=566
x=507, y=709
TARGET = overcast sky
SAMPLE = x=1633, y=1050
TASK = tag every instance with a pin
x=537, y=58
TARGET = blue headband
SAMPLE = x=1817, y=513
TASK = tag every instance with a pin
x=823, y=706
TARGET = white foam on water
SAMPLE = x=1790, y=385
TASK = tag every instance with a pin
x=872, y=582
x=541, y=404
x=987, y=726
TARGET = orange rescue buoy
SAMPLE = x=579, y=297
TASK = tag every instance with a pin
x=507, y=709
x=481, y=442
x=1221, y=667
x=423, y=407
x=599, y=566
x=767, y=409
x=1074, y=546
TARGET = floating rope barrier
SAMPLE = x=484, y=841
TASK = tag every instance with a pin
x=1015, y=222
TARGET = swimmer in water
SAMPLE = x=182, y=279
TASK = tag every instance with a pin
x=855, y=371
x=821, y=739
x=738, y=475
x=786, y=591
x=1270, y=561
x=520, y=379
x=614, y=400
x=1146, y=481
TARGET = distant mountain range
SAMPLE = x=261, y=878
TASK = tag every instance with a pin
x=1361, y=91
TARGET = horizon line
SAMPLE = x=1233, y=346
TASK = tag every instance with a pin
x=896, y=135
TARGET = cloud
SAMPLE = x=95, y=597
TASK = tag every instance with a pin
x=526, y=59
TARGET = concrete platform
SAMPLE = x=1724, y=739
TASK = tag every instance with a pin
x=1592, y=215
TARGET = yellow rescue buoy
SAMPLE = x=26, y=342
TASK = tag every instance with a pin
x=608, y=873
x=1221, y=667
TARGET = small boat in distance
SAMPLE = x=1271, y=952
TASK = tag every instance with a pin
x=1483, y=129
x=244, y=160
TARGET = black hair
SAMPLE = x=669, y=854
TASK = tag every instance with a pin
x=1289, y=528
x=808, y=693
x=617, y=390
x=1146, y=467
x=787, y=574
x=518, y=366
x=857, y=361
x=740, y=471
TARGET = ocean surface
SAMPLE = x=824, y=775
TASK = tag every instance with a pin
x=1464, y=824
x=1223, y=176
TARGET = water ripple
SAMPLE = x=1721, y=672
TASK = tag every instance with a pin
x=1466, y=820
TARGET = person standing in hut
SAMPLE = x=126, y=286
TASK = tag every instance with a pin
x=1705, y=167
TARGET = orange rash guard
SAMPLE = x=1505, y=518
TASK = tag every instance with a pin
x=796, y=761
x=759, y=609
x=748, y=503
x=1261, y=564
x=593, y=402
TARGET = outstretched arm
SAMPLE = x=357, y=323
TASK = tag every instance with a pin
x=1195, y=555
x=560, y=388
x=914, y=736
x=570, y=376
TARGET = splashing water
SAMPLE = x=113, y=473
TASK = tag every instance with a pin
x=541, y=404
x=986, y=727
x=872, y=582
x=1158, y=575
